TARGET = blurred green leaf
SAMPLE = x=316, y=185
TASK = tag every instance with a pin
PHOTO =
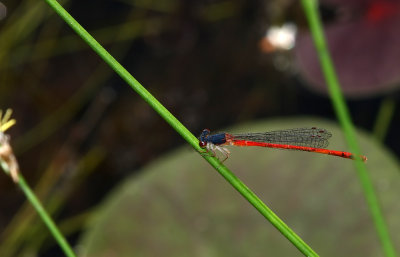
x=178, y=206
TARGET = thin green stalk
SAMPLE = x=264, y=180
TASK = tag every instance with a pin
x=384, y=118
x=342, y=113
x=46, y=218
x=190, y=138
x=10, y=167
x=66, y=248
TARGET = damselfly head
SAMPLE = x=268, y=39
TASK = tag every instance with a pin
x=203, y=138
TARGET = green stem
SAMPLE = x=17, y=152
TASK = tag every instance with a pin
x=384, y=117
x=190, y=138
x=261, y=207
x=342, y=113
x=46, y=218
x=42, y=213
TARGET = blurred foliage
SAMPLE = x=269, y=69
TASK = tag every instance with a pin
x=80, y=130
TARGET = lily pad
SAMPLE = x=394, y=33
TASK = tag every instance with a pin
x=180, y=206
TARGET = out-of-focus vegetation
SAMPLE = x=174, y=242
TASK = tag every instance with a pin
x=81, y=130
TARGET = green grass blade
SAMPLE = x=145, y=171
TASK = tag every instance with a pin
x=261, y=207
x=384, y=117
x=342, y=113
x=46, y=218
x=62, y=242
x=190, y=138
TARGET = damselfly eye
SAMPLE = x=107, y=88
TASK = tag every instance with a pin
x=202, y=144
